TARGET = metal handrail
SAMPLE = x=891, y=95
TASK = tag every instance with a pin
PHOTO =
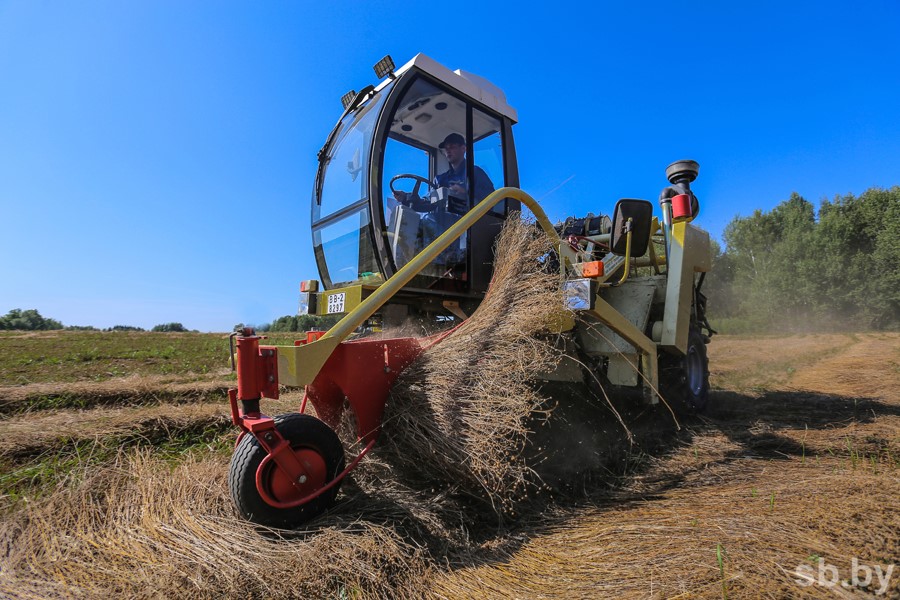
x=343, y=328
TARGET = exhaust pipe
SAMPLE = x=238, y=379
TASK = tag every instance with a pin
x=686, y=206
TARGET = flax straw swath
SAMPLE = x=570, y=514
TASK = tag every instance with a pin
x=463, y=412
x=753, y=534
x=139, y=529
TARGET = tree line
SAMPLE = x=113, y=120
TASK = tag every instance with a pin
x=28, y=320
x=796, y=268
x=791, y=268
x=299, y=323
x=31, y=320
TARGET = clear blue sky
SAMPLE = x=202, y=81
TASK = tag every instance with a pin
x=157, y=157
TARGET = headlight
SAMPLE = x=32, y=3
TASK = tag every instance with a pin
x=579, y=294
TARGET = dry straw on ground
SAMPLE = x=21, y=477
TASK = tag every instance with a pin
x=139, y=529
x=462, y=413
x=753, y=536
x=54, y=431
x=738, y=506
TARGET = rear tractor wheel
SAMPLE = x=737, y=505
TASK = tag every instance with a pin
x=685, y=380
x=315, y=444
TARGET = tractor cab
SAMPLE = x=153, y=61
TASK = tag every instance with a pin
x=407, y=158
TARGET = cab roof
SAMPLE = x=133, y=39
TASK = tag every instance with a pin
x=475, y=87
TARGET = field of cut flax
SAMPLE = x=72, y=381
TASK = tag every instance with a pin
x=113, y=484
x=788, y=487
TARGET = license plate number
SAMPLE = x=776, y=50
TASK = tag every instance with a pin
x=336, y=303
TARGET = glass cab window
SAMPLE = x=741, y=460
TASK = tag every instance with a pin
x=488, y=149
x=343, y=172
x=347, y=248
x=341, y=222
x=433, y=173
x=439, y=154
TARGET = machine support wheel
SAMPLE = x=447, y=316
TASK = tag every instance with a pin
x=314, y=442
x=685, y=380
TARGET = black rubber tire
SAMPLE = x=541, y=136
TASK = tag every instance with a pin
x=302, y=431
x=685, y=380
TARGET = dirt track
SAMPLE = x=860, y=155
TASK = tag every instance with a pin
x=795, y=468
x=797, y=459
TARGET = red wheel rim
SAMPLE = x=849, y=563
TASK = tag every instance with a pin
x=280, y=487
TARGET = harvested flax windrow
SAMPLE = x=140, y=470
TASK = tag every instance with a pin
x=463, y=412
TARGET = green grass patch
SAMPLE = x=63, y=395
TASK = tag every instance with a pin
x=78, y=400
x=66, y=356
x=36, y=475
x=34, y=478
x=69, y=356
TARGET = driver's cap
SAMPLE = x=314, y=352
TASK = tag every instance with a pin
x=453, y=138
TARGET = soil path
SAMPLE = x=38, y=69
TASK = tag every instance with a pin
x=869, y=366
x=804, y=466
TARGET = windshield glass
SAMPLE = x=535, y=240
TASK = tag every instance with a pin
x=432, y=175
x=348, y=252
x=345, y=170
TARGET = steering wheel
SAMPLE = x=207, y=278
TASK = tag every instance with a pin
x=419, y=181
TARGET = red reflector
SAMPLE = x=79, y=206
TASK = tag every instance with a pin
x=592, y=269
x=681, y=207
x=311, y=336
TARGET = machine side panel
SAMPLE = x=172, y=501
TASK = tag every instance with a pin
x=690, y=254
x=633, y=301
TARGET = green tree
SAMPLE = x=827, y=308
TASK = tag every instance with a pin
x=788, y=269
x=27, y=320
x=300, y=323
x=749, y=242
x=793, y=260
x=124, y=328
x=170, y=327
x=718, y=285
x=861, y=238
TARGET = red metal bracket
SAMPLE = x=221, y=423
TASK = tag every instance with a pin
x=257, y=369
x=304, y=470
x=361, y=372
x=311, y=336
x=257, y=376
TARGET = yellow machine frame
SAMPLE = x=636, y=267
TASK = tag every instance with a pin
x=299, y=365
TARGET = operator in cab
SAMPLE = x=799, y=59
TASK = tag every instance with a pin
x=438, y=218
x=454, y=147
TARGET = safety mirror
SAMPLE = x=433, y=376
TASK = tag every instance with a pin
x=641, y=214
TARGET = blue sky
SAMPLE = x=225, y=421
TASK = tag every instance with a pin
x=157, y=157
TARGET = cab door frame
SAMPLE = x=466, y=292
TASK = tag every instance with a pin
x=482, y=234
